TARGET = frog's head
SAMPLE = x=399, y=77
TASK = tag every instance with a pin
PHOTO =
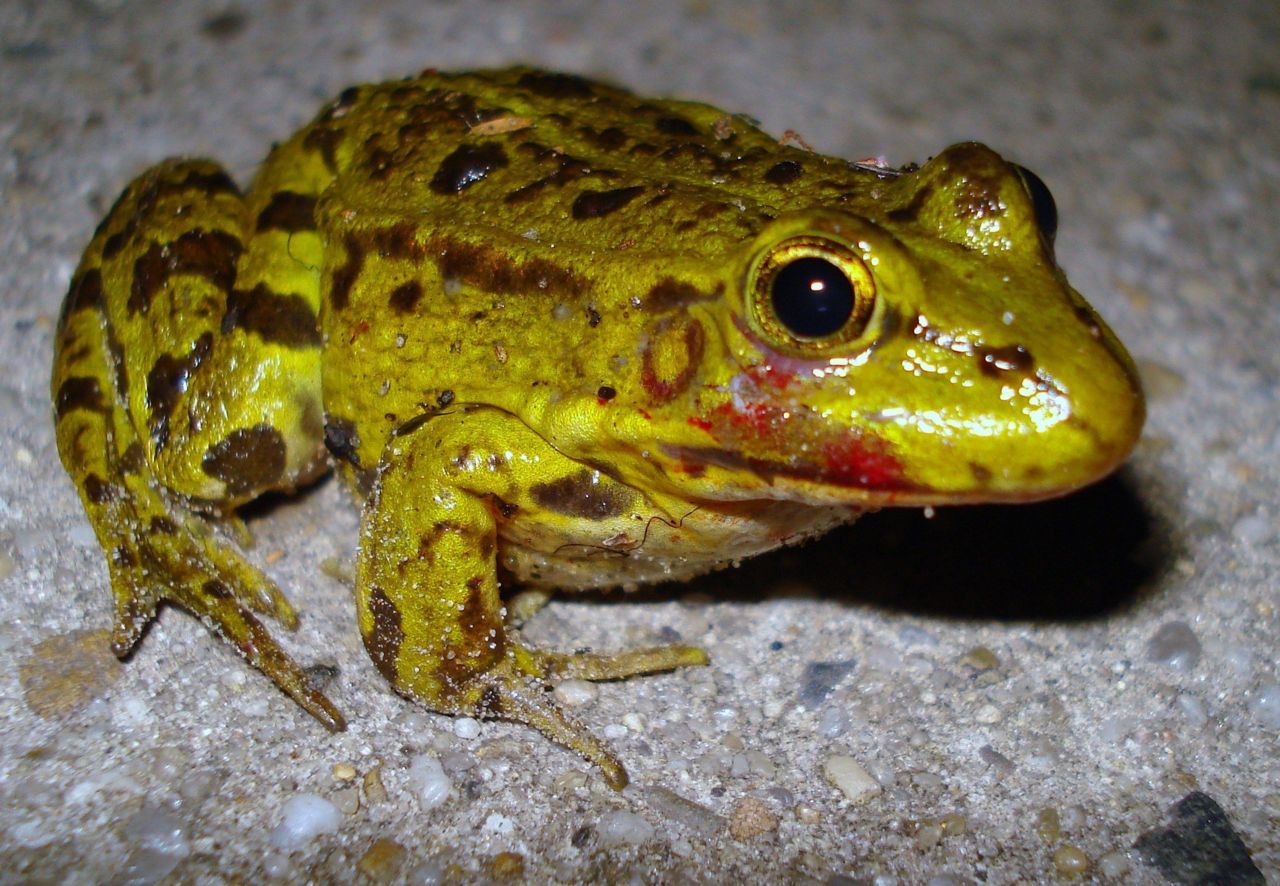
x=921, y=347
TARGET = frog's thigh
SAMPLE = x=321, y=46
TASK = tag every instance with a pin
x=190, y=397
x=426, y=580
x=211, y=303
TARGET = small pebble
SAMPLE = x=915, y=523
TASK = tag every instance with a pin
x=1070, y=861
x=429, y=781
x=382, y=862
x=1175, y=645
x=995, y=759
x=1254, y=530
x=374, y=790
x=928, y=835
x=953, y=824
x=820, y=679
x=980, y=658
x=347, y=800
x=853, y=781
x=622, y=828
x=574, y=693
x=1114, y=865
x=834, y=722
x=507, y=866
x=1264, y=704
x=344, y=771
x=1193, y=709
x=808, y=814
x=750, y=818
x=988, y=714
x=673, y=807
x=304, y=818
x=466, y=727
x=1048, y=824
x=6, y=564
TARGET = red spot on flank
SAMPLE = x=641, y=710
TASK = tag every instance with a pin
x=699, y=422
x=862, y=462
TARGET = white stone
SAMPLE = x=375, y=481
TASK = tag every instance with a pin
x=429, y=781
x=848, y=775
x=305, y=817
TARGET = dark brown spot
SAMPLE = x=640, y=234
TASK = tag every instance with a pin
x=980, y=473
x=280, y=319
x=248, y=460
x=1090, y=321
x=98, y=490
x=669, y=294
x=163, y=526
x=444, y=398
x=344, y=276
x=216, y=590
x=398, y=241
x=85, y=293
x=606, y=392
x=166, y=383
x=1009, y=358
x=123, y=556
x=551, y=85
x=493, y=270
x=208, y=254
x=597, y=204
x=79, y=392
x=593, y=317
x=674, y=125
x=783, y=173
x=610, y=139
x=325, y=139
x=384, y=639
x=288, y=211
x=380, y=163
x=405, y=297
x=501, y=508
x=918, y=201
x=342, y=440
x=467, y=165
x=586, y=494
x=134, y=458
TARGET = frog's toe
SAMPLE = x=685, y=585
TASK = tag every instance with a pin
x=511, y=694
x=620, y=665
x=220, y=608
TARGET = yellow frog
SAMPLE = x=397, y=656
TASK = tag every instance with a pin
x=558, y=336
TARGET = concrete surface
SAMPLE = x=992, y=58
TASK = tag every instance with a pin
x=1030, y=690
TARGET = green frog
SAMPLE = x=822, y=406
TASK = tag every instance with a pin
x=557, y=336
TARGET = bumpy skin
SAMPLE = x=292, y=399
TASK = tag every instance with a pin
x=529, y=316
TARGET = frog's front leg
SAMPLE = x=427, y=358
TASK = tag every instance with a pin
x=427, y=584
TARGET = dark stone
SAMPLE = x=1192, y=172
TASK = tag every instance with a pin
x=1199, y=846
x=820, y=679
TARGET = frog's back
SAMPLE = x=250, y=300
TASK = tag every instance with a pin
x=583, y=163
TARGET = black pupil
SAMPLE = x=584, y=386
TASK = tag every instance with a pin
x=1042, y=200
x=812, y=297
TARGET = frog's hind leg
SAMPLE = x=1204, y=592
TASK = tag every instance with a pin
x=426, y=578
x=136, y=375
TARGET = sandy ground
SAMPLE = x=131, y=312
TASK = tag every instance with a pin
x=1026, y=693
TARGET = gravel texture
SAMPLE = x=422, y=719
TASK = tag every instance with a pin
x=1018, y=694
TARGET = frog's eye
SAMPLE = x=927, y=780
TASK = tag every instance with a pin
x=811, y=293
x=1041, y=200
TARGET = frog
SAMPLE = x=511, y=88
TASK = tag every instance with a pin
x=555, y=337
